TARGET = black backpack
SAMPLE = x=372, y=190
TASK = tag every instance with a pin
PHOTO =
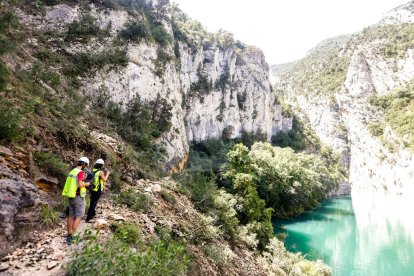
x=90, y=178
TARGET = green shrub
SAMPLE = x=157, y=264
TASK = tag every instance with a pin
x=376, y=129
x=6, y=45
x=200, y=188
x=217, y=255
x=202, y=86
x=84, y=63
x=51, y=164
x=396, y=108
x=48, y=217
x=140, y=124
x=135, y=200
x=116, y=180
x=4, y=73
x=129, y=233
x=299, y=138
x=10, y=121
x=85, y=28
x=209, y=155
x=117, y=258
x=164, y=234
x=289, y=182
x=39, y=72
x=135, y=31
x=8, y=20
x=48, y=56
x=168, y=196
x=160, y=35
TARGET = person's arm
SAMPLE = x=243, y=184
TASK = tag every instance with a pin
x=104, y=176
x=81, y=182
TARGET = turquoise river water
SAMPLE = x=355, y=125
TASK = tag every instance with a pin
x=366, y=234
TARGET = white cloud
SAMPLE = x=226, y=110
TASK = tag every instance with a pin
x=286, y=30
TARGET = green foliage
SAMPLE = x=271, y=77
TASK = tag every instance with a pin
x=187, y=30
x=4, y=73
x=396, y=108
x=140, y=124
x=6, y=45
x=196, y=36
x=168, y=196
x=135, y=31
x=7, y=20
x=84, y=63
x=200, y=188
x=253, y=209
x=210, y=200
x=10, y=121
x=323, y=71
x=397, y=39
x=202, y=86
x=289, y=182
x=208, y=156
x=163, y=233
x=116, y=179
x=216, y=254
x=48, y=217
x=85, y=28
x=48, y=56
x=51, y=164
x=249, y=138
x=160, y=35
x=118, y=258
x=162, y=59
x=376, y=129
x=299, y=138
x=129, y=233
x=137, y=201
x=40, y=72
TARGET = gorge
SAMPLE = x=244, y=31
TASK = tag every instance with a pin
x=205, y=150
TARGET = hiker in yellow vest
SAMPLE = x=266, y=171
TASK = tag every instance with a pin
x=75, y=190
x=99, y=179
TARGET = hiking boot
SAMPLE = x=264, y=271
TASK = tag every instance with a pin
x=69, y=240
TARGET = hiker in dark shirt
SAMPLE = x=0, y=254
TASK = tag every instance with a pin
x=99, y=177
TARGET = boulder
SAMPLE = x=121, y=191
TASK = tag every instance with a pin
x=156, y=188
x=18, y=196
x=52, y=265
x=116, y=217
x=4, y=266
x=101, y=224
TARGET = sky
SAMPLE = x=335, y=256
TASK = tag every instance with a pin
x=286, y=29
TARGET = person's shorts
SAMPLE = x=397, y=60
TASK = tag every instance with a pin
x=77, y=206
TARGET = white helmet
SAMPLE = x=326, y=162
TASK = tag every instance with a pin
x=84, y=160
x=99, y=161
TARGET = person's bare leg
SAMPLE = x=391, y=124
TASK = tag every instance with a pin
x=76, y=223
x=70, y=225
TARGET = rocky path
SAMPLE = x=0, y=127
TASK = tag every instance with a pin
x=47, y=253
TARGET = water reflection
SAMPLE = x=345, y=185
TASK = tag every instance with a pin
x=369, y=235
x=385, y=233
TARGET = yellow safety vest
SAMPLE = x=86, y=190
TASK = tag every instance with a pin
x=71, y=185
x=97, y=181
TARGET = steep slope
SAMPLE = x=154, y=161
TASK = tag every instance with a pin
x=334, y=88
x=132, y=82
x=211, y=85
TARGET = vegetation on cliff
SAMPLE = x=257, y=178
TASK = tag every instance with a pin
x=41, y=108
x=396, y=109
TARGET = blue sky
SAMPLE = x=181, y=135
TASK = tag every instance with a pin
x=284, y=29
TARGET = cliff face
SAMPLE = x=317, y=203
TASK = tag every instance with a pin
x=342, y=77
x=211, y=88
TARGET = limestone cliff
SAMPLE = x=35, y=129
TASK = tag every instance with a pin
x=342, y=75
x=211, y=87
